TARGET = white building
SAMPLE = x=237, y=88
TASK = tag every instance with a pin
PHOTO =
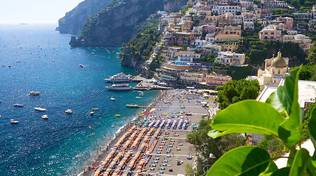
x=222, y=9
x=230, y=58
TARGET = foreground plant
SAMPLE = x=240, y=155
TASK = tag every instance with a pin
x=279, y=117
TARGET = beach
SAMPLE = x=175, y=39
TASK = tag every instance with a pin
x=155, y=141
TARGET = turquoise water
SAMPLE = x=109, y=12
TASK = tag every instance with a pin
x=42, y=60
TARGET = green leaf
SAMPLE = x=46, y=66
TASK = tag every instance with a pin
x=272, y=167
x=282, y=172
x=312, y=124
x=247, y=116
x=300, y=163
x=242, y=161
x=287, y=95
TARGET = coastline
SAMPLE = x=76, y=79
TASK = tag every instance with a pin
x=103, y=150
x=140, y=145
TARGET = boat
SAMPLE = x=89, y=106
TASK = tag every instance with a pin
x=132, y=106
x=34, y=93
x=39, y=109
x=91, y=113
x=140, y=93
x=18, y=105
x=45, y=117
x=117, y=115
x=81, y=66
x=119, y=87
x=119, y=78
x=95, y=109
x=14, y=122
x=68, y=111
x=112, y=99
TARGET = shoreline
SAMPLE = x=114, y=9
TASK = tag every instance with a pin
x=104, y=149
x=156, y=135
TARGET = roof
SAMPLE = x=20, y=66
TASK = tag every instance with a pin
x=279, y=61
x=306, y=92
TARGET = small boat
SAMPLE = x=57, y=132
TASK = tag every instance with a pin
x=81, y=65
x=18, y=105
x=95, y=109
x=14, y=122
x=112, y=99
x=117, y=115
x=91, y=113
x=119, y=87
x=39, y=109
x=138, y=97
x=68, y=111
x=45, y=117
x=140, y=93
x=119, y=78
x=34, y=93
x=132, y=106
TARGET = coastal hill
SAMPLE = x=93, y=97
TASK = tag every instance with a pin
x=118, y=22
x=74, y=20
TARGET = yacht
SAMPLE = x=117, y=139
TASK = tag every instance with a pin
x=119, y=78
x=14, y=122
x=39, y=109
x=119, y=87
x=132, y=106
x=68, y=111
x=34, y=93
x=95, y=109
x=18, y=105
x=45, y=117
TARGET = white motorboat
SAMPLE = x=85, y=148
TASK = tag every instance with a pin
x=45, y=117
x=112, y=99
x=34, y=93
x=68, y=111
x=14, y=122
x=95, y=109
x=91, y=113
x=18, y=105
x=39, y=109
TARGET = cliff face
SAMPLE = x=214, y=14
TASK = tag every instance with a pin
x=117, y=23
x=74, y=20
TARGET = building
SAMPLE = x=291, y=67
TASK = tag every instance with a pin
x=203, y=78
x=229, y=33
x=302, y=40
x=270, y=32
x=187, y=56
x=274, y=71
x=230, y=58
x=222, y=9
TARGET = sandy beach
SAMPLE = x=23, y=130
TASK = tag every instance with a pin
x=155, y=142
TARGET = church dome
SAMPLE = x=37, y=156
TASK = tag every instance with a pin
x=279, y=61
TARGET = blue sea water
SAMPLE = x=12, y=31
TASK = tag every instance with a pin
x=41, y=60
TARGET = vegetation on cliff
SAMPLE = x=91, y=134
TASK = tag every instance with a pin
x=75, y=19
x=117, y=23
x=140, y=48
x=257, y=51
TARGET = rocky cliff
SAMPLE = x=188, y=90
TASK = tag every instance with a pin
x=118, y=22
x=74, y=20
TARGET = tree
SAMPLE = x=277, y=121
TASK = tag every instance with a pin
x=235, y=91
x=205, y=145
x=311, y=58
x=279, y=117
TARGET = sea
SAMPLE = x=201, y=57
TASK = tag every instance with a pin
x=38, y=58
